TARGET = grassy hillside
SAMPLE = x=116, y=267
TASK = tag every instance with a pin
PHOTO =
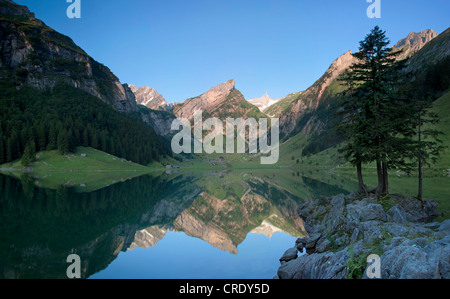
x=276, y=109
x=442, y=107
x=85, y=170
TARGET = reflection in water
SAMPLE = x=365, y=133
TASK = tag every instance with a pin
x=41, y=227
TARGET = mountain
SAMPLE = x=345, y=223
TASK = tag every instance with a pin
x=414, y=42
x=311, y=111
x=281, y=105
x=150, y=98
x=73, y=99
x=318, y=93
x=38, y=56
x=431, y=53
x=263, y=102
x=222, y=101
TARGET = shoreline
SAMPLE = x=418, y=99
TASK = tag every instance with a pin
x=344, y=232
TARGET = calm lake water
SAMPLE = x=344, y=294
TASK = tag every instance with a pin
x=208, y=225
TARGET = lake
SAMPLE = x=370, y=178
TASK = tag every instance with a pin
x=215, y=224
x=212, y=224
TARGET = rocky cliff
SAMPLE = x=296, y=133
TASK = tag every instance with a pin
x=150, y=98
x=221, y=101
x=432, y=52
x=34, y=54
x=207, y=101
x=414, y=42
x=316, y=94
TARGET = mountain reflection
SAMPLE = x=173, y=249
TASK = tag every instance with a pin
x=41, y=227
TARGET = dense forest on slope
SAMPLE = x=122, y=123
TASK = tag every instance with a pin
x=65, y=117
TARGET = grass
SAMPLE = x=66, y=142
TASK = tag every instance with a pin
x=442, y=107
x=85, y=170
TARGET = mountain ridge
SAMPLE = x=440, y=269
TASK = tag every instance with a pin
x=263, y=102
x=327, y=87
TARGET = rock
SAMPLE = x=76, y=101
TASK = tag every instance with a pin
x=410, y=261
x=323, y=245
x=308, y=243
x=408, y=249
x=414, y=42
x=290, y=254
x=398, y=215
x=149, y=97
x=316, y=266
x=444, y=228
x=206, y=102
x=371, y=231
x=160, y=121
x=394, y=243
x=416, y=211
x=363, y=211
x=397, y=229
x=355, y=236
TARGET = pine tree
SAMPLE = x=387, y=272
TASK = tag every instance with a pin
x=42, y=137
x=2, y=150
x=373, y=110
x=29, y=154
x=52, y=138
x=9, y=151
x=85, y=138
x=63, y=142
x=428, y=146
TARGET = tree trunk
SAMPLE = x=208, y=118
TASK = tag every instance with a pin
x=385, y=179
x=383, y=182
x=419, y=157
x=362, y=188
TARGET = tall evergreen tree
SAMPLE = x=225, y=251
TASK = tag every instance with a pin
x=63, y=142
x=52, y=138
x=428, y=146
x=2, y=150
x=29, y=154
x=373, y=109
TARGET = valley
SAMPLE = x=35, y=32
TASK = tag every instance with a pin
x=88, y=162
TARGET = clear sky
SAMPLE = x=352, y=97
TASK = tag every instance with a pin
x=184, y=47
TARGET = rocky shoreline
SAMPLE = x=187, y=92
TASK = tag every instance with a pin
x=344, y=231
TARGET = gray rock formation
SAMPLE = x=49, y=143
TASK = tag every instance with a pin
x=289, y=255
x=148, y=237
x=414, y=42
x=8, y=7
x=149, y=98
x=207, y=101
x=343, y=232
x=160, y=121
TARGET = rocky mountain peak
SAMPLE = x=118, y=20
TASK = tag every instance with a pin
x=220, y=90
x=149, y=97
x=263, y=102
x=208, y=101
x=9, y=7
x=342, y=63
x=414, y=42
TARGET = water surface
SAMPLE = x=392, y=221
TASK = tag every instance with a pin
x=210, y=225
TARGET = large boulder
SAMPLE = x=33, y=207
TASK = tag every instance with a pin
x=416, y=259
x=316, y=266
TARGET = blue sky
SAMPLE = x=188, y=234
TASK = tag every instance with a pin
x=182, y=48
